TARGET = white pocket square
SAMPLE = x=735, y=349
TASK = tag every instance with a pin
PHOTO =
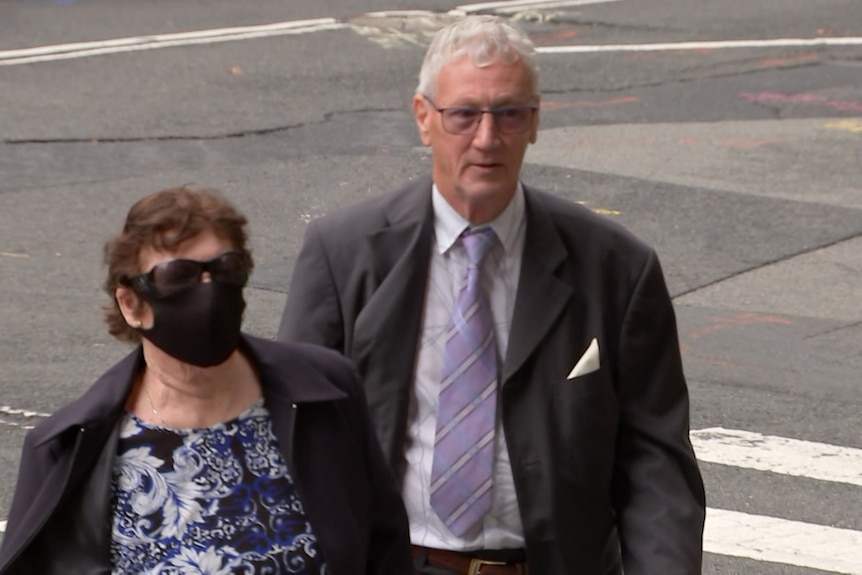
x=588, y=363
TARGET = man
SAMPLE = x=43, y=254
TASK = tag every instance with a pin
x=519, y=352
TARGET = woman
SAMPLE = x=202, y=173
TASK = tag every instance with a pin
x=205, y=450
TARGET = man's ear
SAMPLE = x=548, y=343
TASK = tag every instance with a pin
x=534, y=129
x=131, y=306
x=422, y=113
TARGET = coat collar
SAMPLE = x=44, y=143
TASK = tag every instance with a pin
x=101, y=404
x=285, y=376
x=285, y=372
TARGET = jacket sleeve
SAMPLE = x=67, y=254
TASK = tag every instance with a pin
x=32, y=471
x=389, y=539
x=658, y=491
x=312, y=313
x=33, y=474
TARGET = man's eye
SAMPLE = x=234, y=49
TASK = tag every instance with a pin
x=464, y=114
x=507, y=112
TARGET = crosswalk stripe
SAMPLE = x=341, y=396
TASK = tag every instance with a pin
x=783, y=541
x=778, y=455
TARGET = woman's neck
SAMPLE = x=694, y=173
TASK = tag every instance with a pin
x=181, y=396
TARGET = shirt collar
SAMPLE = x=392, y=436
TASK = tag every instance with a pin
x=449, y=224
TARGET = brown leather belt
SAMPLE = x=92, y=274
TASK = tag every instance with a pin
x=463, y=564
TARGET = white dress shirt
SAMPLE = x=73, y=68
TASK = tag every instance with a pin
x=501, y=528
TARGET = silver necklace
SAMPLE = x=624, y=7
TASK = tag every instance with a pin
x=153, y=405
x=161, y=419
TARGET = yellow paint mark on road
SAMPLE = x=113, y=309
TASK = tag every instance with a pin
x=847, y=125
x=793, y=60
x=14, y=255
x=555, y=36
x=601, y=211
x=749, y=142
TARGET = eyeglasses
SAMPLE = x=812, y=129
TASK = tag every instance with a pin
x=172, y=276
x=465, y=121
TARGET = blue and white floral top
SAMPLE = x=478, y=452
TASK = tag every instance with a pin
x=214, y=501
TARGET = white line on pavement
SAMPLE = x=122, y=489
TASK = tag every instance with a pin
x=133, y=44
x=512, y=7
x=718, y=45
x=25, y=413
x=783, y=541
x=22, y=412
x=778, y=454
x=211, y=33
x=154, y=41
x=2, y=526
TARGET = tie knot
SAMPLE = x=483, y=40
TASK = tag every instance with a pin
x=478, y=242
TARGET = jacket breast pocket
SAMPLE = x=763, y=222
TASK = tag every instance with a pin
x=585, y=416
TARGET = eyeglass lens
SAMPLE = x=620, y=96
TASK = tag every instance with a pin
x=508, y=119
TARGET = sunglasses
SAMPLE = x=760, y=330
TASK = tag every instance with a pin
x=172, y=276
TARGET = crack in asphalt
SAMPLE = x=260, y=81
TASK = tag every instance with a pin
x=327, y=117
x=672, y=81
x=834, y=330
x=769, y=263
x=137, y=139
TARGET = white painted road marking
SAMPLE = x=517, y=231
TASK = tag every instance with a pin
x=2, y=526
x=779, y=455
x=22, y=412
x=515, y=6
x=155, y=41
x=783, y=541
x=6, y=410
x=718, y=45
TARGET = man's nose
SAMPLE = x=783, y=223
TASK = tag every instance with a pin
x=486, y=131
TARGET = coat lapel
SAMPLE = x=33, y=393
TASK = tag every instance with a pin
x=542, y=296
x=287, y=382
x=386, y=332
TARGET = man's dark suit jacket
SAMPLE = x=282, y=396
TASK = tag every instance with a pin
x=603, y=450
x=60, y=521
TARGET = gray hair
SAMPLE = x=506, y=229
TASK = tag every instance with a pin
x=485, y=40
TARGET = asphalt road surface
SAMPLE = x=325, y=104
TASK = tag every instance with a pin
x=727, y=134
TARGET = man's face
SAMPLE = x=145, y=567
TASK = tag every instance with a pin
x=477, y=173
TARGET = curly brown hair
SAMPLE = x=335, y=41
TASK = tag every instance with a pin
x=162, y=221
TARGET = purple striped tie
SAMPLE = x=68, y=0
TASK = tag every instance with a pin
x=464, y=446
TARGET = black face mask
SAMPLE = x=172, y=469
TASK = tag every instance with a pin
x=199, y=325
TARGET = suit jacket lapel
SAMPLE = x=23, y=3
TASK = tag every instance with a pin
x=542, y=296
x=387, y=328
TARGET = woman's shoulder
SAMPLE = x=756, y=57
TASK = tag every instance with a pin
x=99, y=405
x=298, y=365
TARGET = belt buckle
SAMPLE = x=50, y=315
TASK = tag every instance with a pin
x=476, y=565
